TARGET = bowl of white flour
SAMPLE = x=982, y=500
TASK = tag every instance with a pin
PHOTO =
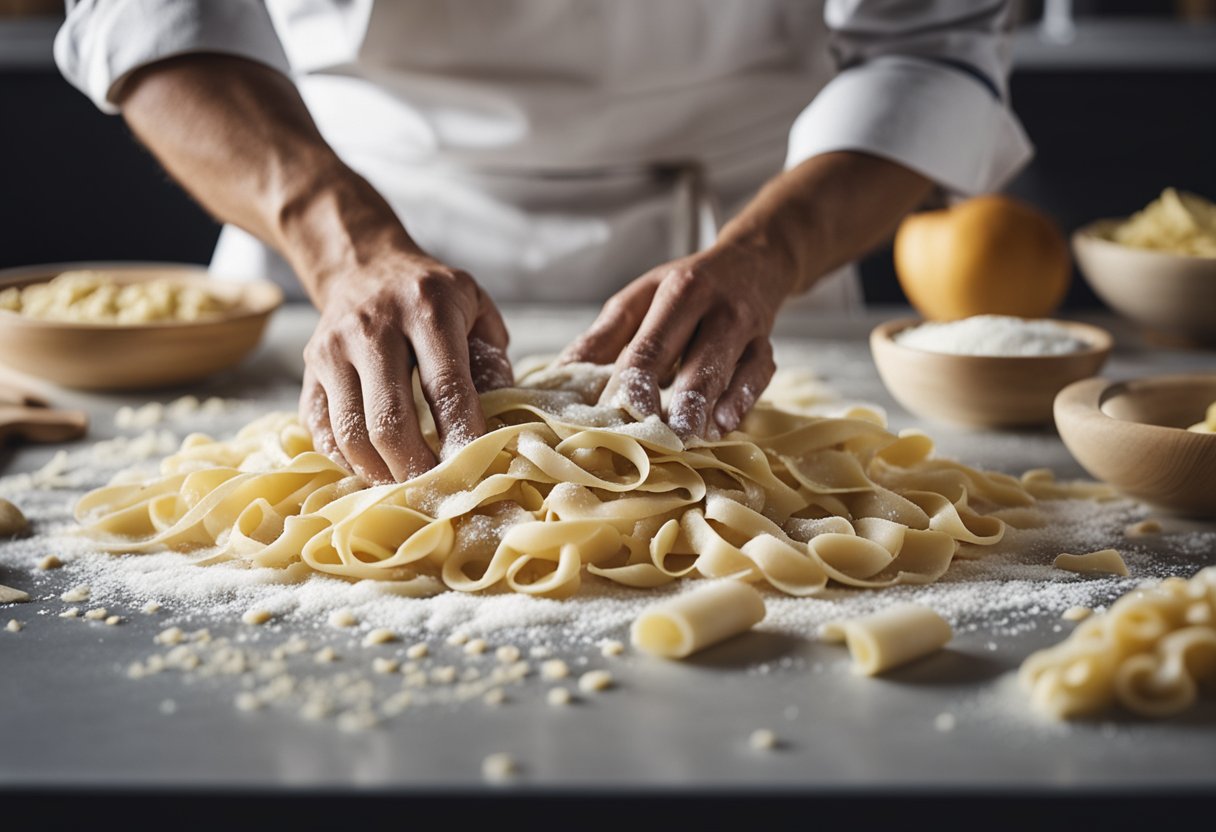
x=987, y=371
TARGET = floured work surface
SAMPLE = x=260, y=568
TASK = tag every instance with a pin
x=359, y=709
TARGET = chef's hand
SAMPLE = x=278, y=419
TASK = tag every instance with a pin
x=406, y=310
x=237, y=134
x=707, y=318
x=704, y=319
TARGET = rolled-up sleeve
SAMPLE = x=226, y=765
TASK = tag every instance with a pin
x=102, y=41
x=924, y=84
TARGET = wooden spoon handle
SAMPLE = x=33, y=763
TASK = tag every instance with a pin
x=41, y=425
x=12, y=394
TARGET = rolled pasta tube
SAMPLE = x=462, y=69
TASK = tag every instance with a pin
x=892, y=637
x=680, y=626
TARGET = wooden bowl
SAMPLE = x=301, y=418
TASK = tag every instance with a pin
x=1132, y=435
x=1169, y=294
x=141, y=356
x=981, y=390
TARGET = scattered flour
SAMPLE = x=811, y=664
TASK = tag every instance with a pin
x=298, y=661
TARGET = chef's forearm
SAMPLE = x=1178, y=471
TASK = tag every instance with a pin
x=238, y=137
x=825, y=212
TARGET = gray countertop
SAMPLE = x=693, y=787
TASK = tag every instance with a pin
x=70, y=719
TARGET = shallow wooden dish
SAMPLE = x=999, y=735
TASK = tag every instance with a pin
x=981, y=390
x=1132, y=435
x=1168, y=294
x=131, y=357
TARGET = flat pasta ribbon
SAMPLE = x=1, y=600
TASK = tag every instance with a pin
x=560, y=487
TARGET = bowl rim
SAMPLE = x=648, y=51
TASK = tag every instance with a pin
x=1100, y=341
x=1090, y=234
x=30, y=274
x=1092, y=401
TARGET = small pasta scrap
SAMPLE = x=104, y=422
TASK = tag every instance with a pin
x=561, y=487
x=1144, y=528
x=892, y=637
x=1208, y=425
x=1104, y=562
x=9, y=595
x=1152, y=653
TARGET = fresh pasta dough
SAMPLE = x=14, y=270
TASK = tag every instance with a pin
x=92, y=298
x=560, y=486
x=1104, y=562
x=680, y=626
x=1152, y=652
x=891, y=637
x=1208, y=425
x=1177, y=222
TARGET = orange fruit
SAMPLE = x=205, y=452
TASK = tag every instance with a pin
x=990, y=255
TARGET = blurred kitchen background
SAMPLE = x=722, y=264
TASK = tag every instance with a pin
x=1118, y=96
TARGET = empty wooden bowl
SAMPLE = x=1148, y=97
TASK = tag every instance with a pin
x=982, y=390
x=90, y=356
x=1132, y=435
x=1168, y=294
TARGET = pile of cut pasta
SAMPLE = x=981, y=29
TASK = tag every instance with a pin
x=560, y=488
x=88, y=297
x=1151, y=652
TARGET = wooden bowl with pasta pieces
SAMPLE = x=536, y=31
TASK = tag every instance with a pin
x=1133, y=435
x=1170, y=295
x=983, y=391
x=136, y=355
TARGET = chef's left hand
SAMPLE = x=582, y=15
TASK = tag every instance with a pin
x=704, y=319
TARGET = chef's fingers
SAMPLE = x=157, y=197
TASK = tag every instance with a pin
x=314, y=415
x=616, y=323
x=346, y=415
x=755, y=371
x=441, y=348
x=384, y=368
x=657, y=345
x=705, y=372
x=488, y=361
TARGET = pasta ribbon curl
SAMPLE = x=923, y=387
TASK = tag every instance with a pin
x=1153, y=652
x=561, y=487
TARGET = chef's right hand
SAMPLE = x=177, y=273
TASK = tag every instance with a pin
x=405, y=310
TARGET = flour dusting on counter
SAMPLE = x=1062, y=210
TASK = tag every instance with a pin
x=293, y=658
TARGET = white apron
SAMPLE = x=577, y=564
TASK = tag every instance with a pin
x=555, y=150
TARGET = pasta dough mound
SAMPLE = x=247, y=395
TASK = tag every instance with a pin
x=1176, y=222
x=87, y=297
x=1151, y=652
x=560, y=486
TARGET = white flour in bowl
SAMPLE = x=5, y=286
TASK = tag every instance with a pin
x=995, y=335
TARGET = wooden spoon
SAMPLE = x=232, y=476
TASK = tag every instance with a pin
x=41, y=424
x=12, y=394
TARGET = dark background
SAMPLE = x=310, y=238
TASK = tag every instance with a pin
x=1115, y=118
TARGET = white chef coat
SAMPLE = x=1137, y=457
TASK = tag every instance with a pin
x=519, y=139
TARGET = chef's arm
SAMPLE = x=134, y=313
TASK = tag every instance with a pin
x=236, y=134
x=705, y=319
x=920, y=97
